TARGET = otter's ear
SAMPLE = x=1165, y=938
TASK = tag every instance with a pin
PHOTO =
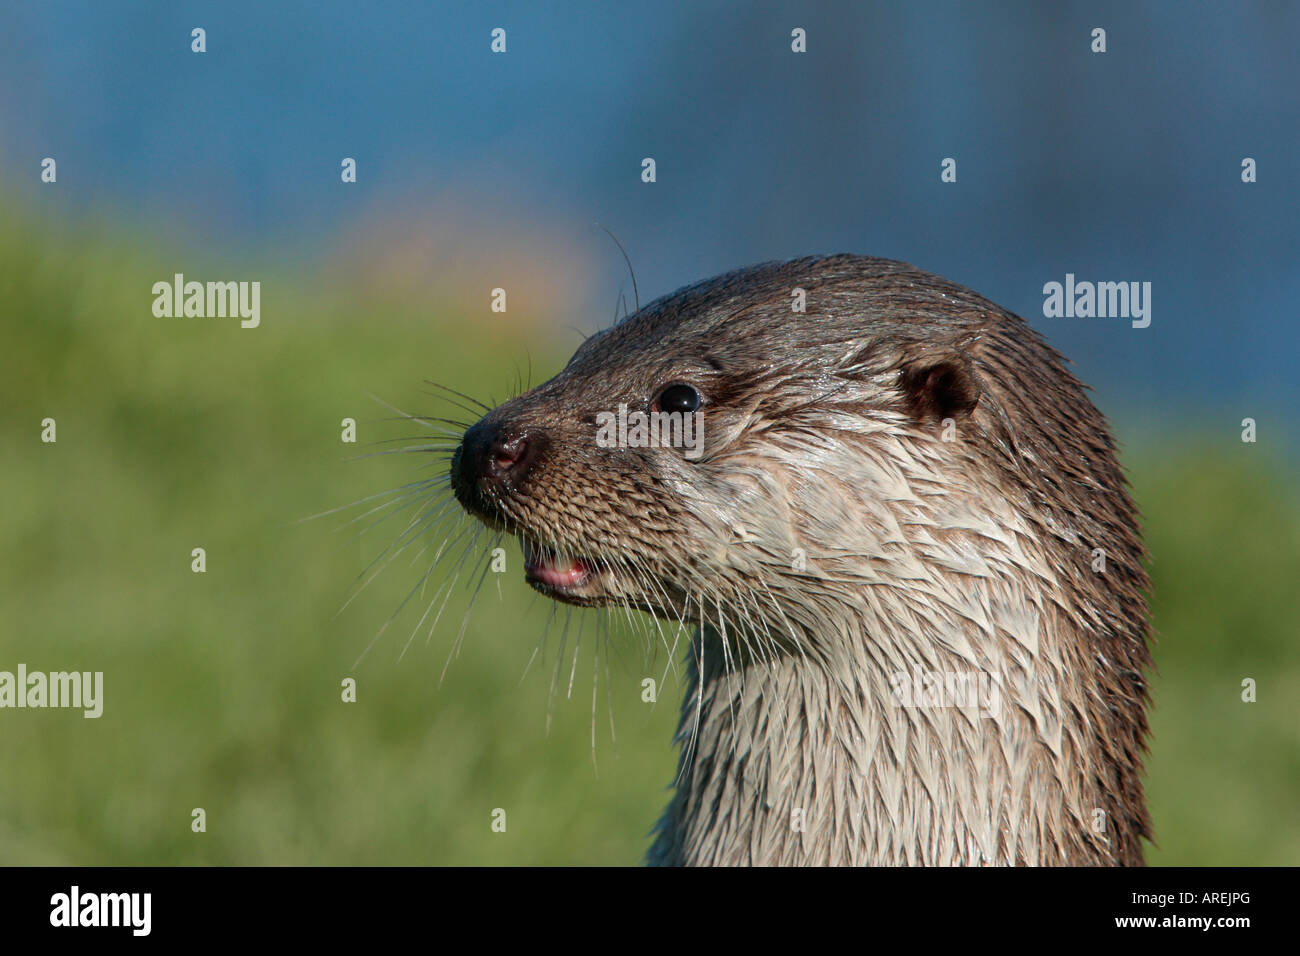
x=936, y=387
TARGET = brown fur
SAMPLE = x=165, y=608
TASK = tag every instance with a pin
x=905, y=479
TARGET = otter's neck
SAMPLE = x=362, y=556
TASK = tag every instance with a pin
x=832, y=761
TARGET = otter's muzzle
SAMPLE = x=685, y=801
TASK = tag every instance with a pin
x=493, y=461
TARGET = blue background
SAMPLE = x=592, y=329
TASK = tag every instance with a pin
x=1123, y=166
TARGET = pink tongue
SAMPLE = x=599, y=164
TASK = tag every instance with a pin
x=549, y=572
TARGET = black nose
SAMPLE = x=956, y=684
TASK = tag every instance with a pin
x=493, y=453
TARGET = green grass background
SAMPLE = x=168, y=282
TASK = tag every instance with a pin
x=222, y=690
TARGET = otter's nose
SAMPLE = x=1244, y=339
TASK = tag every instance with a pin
x=494, y=453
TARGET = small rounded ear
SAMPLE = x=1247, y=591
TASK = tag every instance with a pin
x=936, y=387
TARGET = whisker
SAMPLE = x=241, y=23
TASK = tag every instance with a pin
x=410, y=594
x=452, y=391
x=629, y=265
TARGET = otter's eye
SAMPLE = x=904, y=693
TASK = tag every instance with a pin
x=678, y=398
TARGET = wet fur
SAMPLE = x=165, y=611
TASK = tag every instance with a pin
x=824, y=437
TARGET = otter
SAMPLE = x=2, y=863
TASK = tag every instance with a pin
x=901, y=493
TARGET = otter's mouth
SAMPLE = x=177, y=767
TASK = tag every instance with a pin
x=574, y=579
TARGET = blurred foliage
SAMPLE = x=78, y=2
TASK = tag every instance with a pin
x=223, y=689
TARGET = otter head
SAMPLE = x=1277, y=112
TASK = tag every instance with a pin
x=797, y=429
